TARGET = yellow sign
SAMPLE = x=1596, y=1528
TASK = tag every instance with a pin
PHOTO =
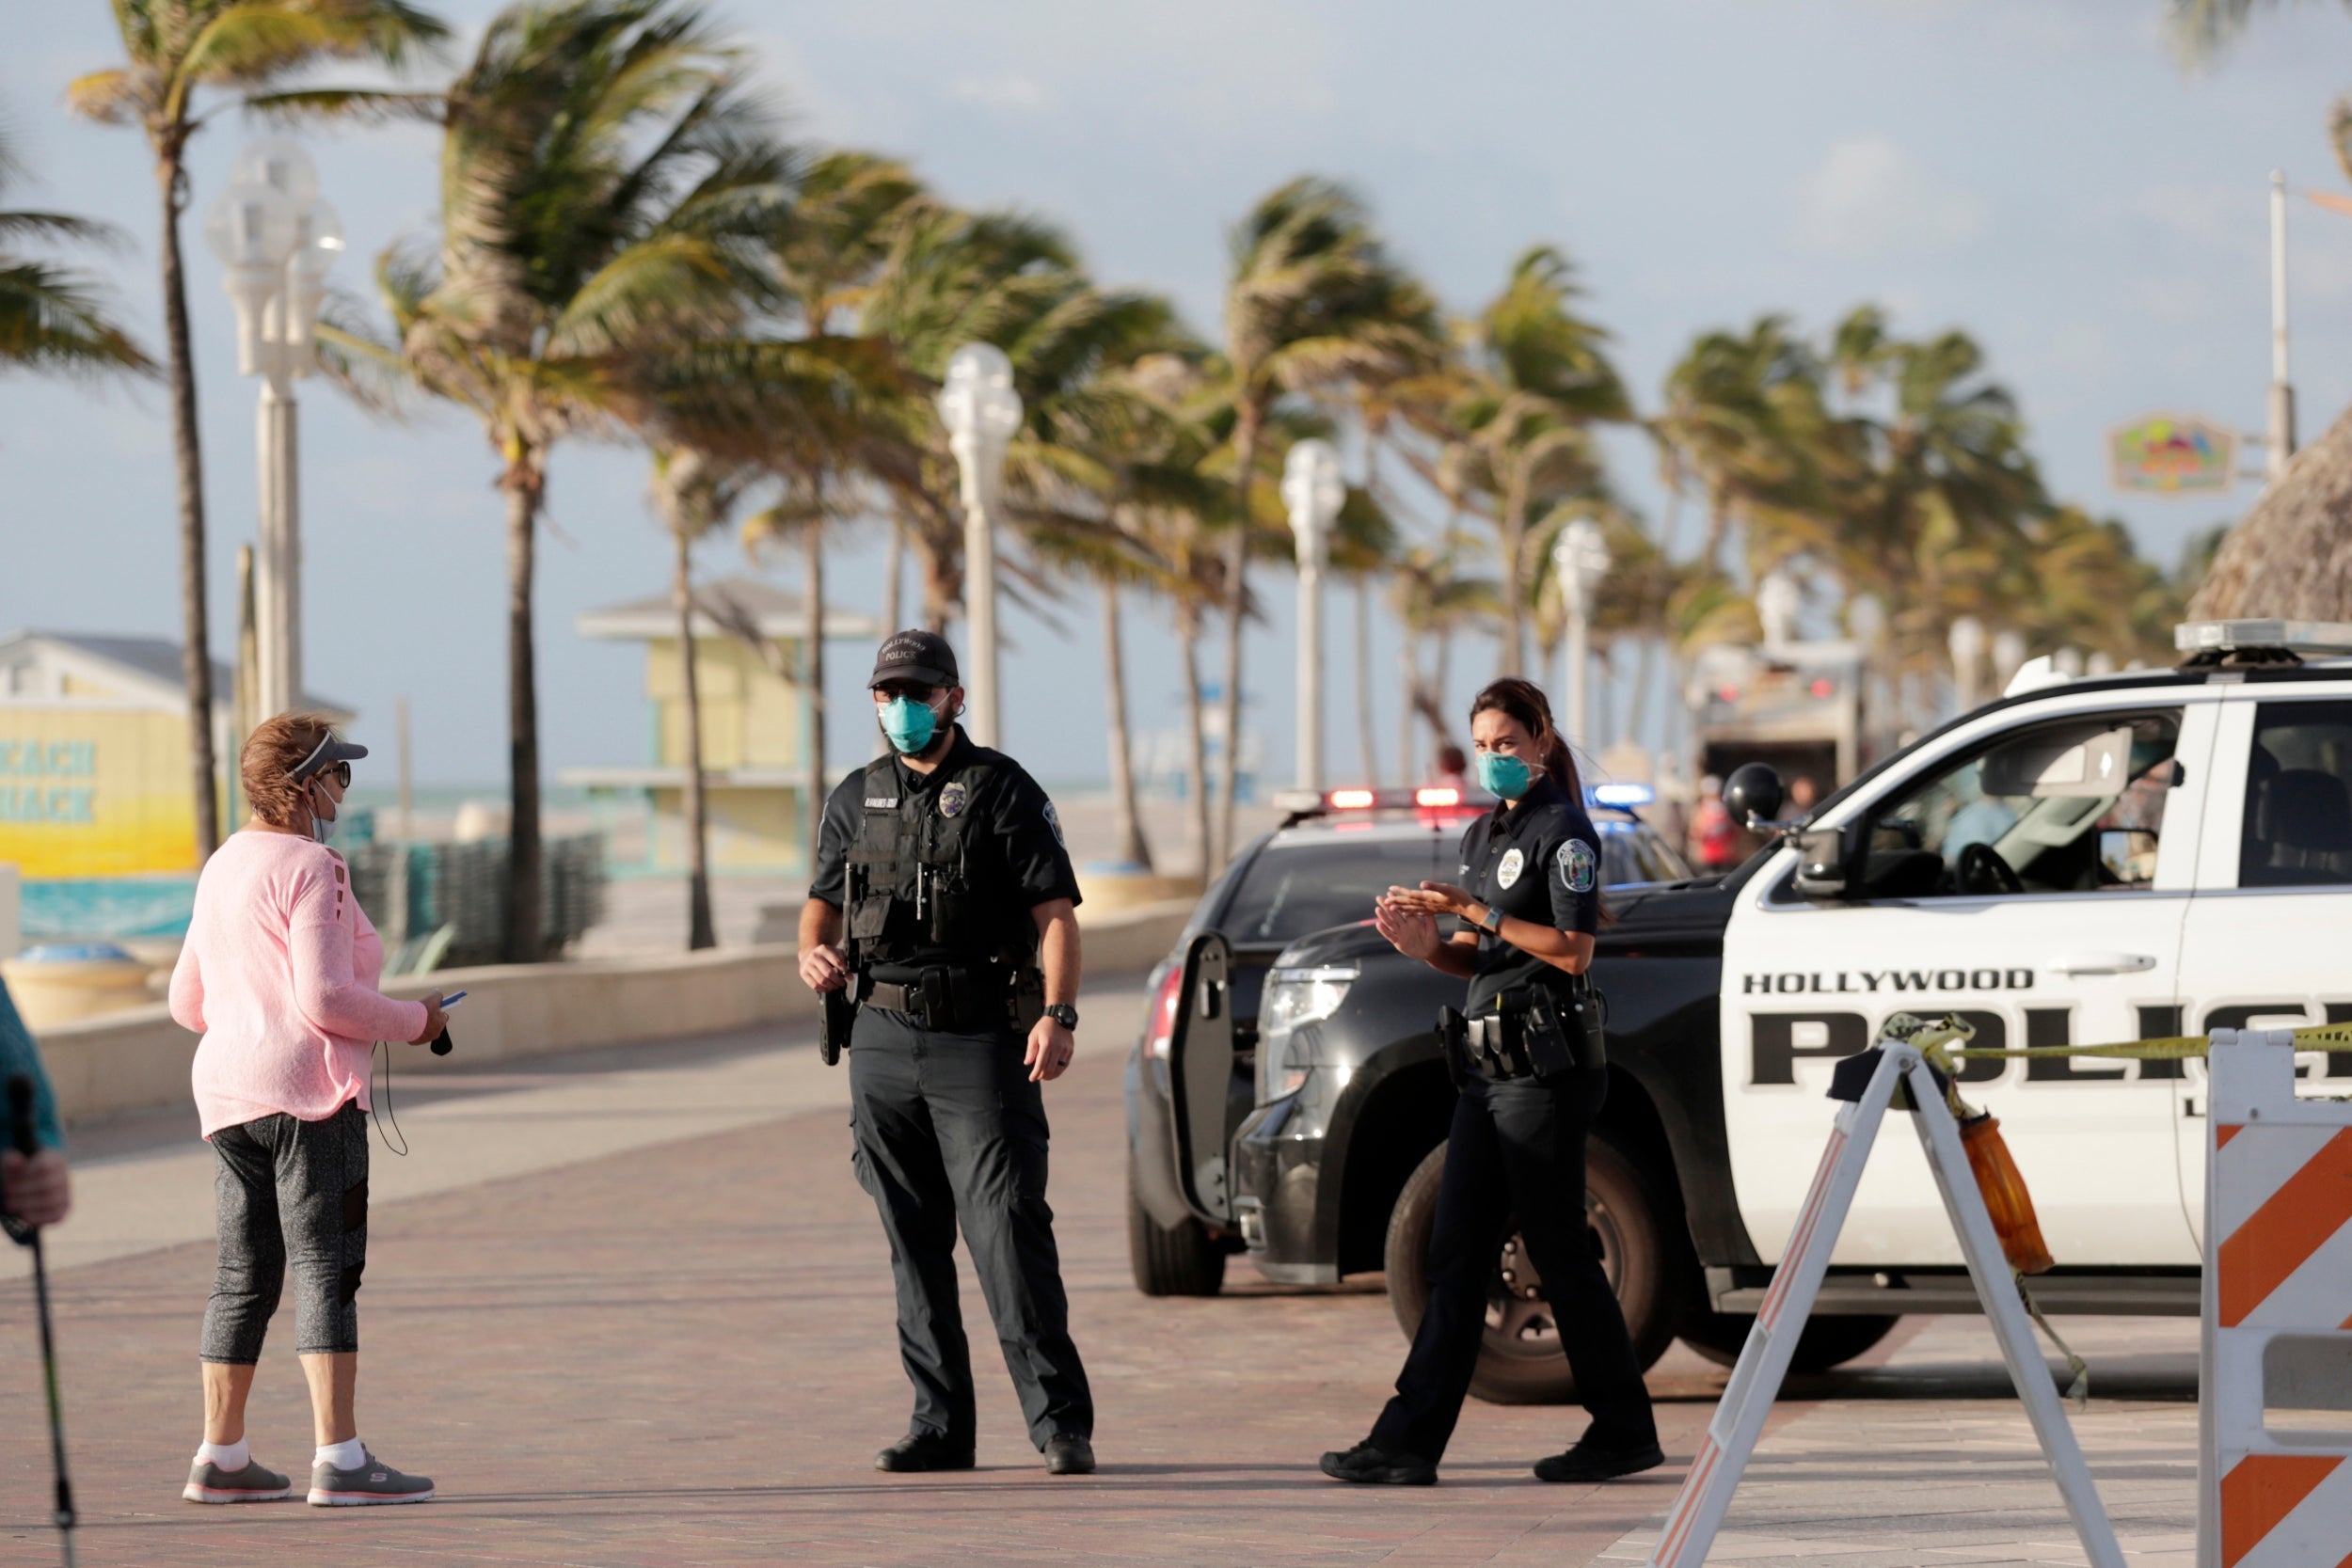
x=89, y=792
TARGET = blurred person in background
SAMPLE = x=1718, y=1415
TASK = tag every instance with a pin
x=278, y=975
x=1714, y=836
x=34, y=1190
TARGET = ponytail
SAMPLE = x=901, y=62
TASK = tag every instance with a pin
x=1525, y=702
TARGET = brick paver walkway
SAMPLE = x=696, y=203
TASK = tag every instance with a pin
x=682, y=1354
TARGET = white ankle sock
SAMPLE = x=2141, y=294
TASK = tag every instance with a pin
x=347, y=1455
x=231, y=1457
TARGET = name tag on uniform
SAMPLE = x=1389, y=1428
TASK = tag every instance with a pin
x=881, y=803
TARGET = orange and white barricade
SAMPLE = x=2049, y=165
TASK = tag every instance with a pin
x=1896, y=1062
x=2275, y=1405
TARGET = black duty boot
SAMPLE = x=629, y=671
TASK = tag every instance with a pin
x=923, y=1450
x=1592, y=1462
x=1371, y=1467
x=1069, y=1453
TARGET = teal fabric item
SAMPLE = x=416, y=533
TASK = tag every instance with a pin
x=1504, y=777
x=19, y=1055
x=908, y=725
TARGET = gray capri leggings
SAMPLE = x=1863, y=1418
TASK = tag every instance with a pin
x=286, y=1190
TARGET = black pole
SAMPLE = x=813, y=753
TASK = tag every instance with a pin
x=21, y=1135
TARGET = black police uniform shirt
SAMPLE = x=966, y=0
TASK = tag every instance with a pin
x=1538, y=861
x=1024, y=834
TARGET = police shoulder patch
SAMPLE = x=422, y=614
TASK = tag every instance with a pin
x=1577, y=865
x=953, y=796
x=1052, y=820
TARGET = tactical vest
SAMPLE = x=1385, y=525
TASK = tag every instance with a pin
x=911, y=881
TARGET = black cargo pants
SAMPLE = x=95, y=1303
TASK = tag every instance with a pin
x=1517, y=1150
x=948, y=1127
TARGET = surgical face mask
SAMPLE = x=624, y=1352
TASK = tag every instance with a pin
x=322, y=828
x=908, y=725
x=1502, y=775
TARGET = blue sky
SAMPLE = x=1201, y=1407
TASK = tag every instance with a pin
x=2042, y=174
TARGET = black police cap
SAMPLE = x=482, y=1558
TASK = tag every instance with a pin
x=916, y=655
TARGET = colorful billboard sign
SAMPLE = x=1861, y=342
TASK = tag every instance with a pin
x=2172, y=454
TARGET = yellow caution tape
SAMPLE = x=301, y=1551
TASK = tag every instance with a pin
x=2172, y=1048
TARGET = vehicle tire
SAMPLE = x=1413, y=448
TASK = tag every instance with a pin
x=1826, y=1341
x=1186, y=1261
x=1521, y=1361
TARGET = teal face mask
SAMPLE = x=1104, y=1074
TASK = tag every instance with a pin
x=1506, y=777
x=908, y=725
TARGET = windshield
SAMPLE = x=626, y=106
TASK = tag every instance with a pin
x=1294, y=889
x=1630, y=852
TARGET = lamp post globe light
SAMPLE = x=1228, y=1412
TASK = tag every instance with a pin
x=1580, y=559
x=981, y=411
x=279, y=241
x=1313, y=491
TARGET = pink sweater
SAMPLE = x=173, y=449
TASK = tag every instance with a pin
x=278, y=975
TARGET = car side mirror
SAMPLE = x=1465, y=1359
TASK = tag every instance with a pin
x=1753, y=794
x=1821, y=865
x=2127, y=855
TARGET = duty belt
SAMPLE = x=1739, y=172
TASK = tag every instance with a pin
x=958, y=999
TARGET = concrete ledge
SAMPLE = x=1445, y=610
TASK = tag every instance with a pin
x=138, y=1058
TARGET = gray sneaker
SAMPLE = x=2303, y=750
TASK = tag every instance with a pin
x=373, y=1482
x=209, y=1483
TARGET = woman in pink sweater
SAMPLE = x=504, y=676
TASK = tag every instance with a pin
x=278, y=975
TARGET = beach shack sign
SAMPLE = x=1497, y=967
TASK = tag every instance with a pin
x=2171, y=454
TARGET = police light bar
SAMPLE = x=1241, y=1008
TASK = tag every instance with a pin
x=2322, y=638
x=1622, y=796
x=1357, y=798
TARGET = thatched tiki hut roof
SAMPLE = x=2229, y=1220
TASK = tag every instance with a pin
x=2291, y=556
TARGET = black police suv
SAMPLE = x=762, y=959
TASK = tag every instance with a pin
x=1311, y=882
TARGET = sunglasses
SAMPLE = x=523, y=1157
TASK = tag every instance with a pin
x=339, y=773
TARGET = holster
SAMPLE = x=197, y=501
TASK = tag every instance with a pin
x=840, y=1018
x=1454, y=1044
x=1542, y=1030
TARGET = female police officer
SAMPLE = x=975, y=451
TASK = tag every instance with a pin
x=1517, y=1146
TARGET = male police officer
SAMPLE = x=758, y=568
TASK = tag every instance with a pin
x=949, y=862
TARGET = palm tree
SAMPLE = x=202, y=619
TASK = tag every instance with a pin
x=1927, y=505
x=1743, y=416
x=606, y=197
x=53, y=321
x=1312, y=301
x=1432, y=598
x=1118, y=446
x=848, y=208
x=173, y=48
x=1538, y=380
x=694, y=495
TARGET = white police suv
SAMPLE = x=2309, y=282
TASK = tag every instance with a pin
x=2156, y=852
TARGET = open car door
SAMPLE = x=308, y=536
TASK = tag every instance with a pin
x=1200, y=1071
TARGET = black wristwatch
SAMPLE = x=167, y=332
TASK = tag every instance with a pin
x=1063, y=1014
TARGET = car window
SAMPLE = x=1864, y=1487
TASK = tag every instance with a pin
x=2297, y=830
x=2076, y=806
x=1635, y=852
x=1293, y=889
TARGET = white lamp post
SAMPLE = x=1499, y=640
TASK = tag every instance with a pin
x=1967, y=644
x=981, y=411
x=1313, y=491
x=2009, y=652
x=1580, y=560
x=279, y=241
